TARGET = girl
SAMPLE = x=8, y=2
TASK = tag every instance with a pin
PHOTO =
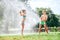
x=23, y=13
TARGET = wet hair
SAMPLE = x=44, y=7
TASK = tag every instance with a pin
x=22, y=11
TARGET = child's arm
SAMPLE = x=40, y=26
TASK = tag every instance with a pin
x=20, y=13
x=46, y=17
x=41, y=17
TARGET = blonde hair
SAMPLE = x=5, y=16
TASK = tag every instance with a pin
x=44, y=10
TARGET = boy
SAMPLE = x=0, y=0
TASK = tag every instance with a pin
x=43, y=21
x=23, y=13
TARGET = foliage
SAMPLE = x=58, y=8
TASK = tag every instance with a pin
x=53, y=29
x=52, y=19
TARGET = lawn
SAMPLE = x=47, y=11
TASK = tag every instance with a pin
x=42, y=36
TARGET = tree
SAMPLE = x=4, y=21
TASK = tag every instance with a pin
x=52, y=19
x=23, y=0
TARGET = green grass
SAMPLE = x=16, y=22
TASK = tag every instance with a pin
x=50, y=36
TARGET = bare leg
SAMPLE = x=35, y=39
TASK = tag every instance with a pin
x=40, y=28
x=22, y=28
x=46, y=28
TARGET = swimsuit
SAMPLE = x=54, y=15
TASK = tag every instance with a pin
x=24, y=17
x=42, y=22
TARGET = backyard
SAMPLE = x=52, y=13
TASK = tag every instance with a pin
x=41, y=36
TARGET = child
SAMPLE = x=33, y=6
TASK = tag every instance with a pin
x=43, y=21
x=23, y=13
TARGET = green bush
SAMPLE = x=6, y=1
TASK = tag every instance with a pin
x=53, y=29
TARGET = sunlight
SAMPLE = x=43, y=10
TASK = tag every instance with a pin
x=53, y=4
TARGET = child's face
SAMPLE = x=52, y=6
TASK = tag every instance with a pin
x=43, y=12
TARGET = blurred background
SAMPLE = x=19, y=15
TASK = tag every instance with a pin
x=10, y=20
x=53, y=10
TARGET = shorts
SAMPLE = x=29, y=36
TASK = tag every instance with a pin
x=42, y=22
